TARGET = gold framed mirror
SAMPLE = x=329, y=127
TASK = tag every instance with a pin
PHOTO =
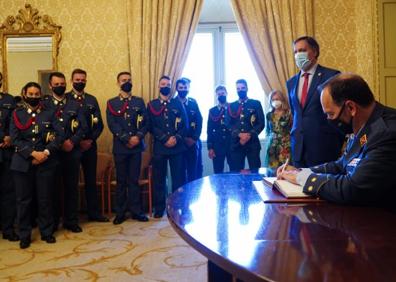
x=29, y=46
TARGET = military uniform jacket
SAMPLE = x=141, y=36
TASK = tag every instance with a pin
x=219, y=134
x=126, y=118
x=194, y=118
x=91, y=110
x=365, y=173
x=70, y=116
x=167, y=118
x=34, y=131
x=7, y=105
x=245, y=116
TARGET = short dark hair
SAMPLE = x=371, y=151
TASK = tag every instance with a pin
x=348, y=86
x=122, y=73
x=31, y=84
x=311, y=42
x=220, y=87
x=165, y=77
x=183, y=81
x=56, y=74
x=242, y=81
x=80, y=71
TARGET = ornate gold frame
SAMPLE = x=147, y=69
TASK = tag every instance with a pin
x=28, y=23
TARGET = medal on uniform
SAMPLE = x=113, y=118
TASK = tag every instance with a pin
x=252, y=119
x=177, y=121
x=193, y=125
x=363, y=140
x=139, y=120
x=36, y=129
x=74, y=125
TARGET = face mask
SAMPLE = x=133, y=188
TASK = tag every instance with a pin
x=343, y=127
x=242, y=94
x=79, y=86
x=182, y=93
x=126, y=87
x=165, y=90
x=276, y=104
x=222, y=99
x=59, y=90
x=32, y=101
x=301, y=59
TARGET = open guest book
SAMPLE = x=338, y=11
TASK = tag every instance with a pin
x=273, y=190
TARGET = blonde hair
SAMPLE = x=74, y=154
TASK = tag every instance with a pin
x=285, y=103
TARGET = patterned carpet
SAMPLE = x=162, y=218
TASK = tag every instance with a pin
x=132, y=251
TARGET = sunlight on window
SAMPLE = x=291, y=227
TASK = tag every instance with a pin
x=199, y=68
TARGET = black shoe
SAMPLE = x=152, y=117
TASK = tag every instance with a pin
x=12, y=237
x=73, y=228
x=118, y=220
x=99, y=218
x=140, y=217
x=158, y=214
x=49, y=239
x=24, y=243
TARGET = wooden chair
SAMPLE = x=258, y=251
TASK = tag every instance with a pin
x=145, y=180
x=103, y=166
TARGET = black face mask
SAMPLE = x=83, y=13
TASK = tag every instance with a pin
x=182, y=93
x=343, y=127
x=59, y=90
x=242, y=94
x=32, y=101
x=165, y=90
x=79, y=86
x=222, y=99
x=126, y=87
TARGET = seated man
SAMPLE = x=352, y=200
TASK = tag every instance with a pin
x=365, y=172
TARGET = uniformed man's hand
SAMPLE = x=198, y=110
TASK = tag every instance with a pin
x=6, y=142
x=289, y=175
x=243, y=138
x=35, y=162
x=189, y=141
x=85, y=144
x=67, y=146
x=280, y=169
x=133, y=141
x=171, y=142
x=40, y=157
x=211, y=154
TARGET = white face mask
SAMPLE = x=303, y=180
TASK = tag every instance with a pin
x=276, y=104
x=301, y=59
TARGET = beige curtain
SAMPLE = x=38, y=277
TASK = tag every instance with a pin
x=269, y=28
x=159, y=37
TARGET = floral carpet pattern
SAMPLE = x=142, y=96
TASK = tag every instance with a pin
x=132, y=251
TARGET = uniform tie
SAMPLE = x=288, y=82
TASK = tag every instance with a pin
x=304, y=92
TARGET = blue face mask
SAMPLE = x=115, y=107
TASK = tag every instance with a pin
x=126, y=87
x=222, y=99
x=301, y=59
x=165, y=90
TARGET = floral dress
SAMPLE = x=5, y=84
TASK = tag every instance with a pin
x=278, y=132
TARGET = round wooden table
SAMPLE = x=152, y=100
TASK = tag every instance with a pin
x=223, y=218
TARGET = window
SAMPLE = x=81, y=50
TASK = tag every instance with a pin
x=218, y=55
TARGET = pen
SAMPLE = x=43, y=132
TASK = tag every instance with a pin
x=285, y=165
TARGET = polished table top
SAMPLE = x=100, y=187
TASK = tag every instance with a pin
x=223, y=217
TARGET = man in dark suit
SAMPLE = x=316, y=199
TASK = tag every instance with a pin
x=168, y=125
x=128, y=121
x=219, y=135
x=7, y=188
x=88, y=146
x=365, y=172
x=245, y=118
x=313, y=140
x=192, y=141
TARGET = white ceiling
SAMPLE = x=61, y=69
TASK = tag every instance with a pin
x=214, y=11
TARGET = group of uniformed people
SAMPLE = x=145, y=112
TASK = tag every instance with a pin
x=47, y=139
x=44, y=142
